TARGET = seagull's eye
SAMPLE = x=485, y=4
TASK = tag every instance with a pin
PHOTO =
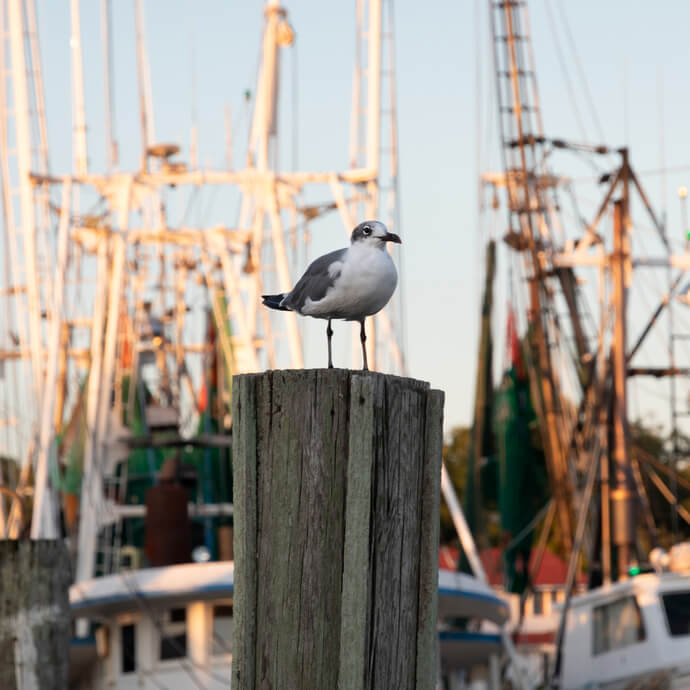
x=366, y=230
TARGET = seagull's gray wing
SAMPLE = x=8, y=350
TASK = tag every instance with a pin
x=316, y=281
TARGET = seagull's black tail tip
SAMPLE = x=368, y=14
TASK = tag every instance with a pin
x=274, y=301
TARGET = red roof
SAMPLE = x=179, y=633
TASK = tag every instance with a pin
x=534, y=638
x=552, y=570
x=448, y=558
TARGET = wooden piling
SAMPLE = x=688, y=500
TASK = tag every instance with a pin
x=34, y=614
x=336, y=515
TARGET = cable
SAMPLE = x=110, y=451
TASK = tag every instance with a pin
x=640, y=173
x=566, y=74
x=529, y=527
x=578, y=65
x=649, y=391
x=295, y=107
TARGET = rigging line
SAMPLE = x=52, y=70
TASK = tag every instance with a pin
x=12, y=316
x=194, y=143
x=580, y=71
x=492, y=112
x=478, y=41
x=650, y=391
x=685, y=345
x=586, y=157
x=636, y=400
x=669, y=495
x=244, y=113
x=638, y=173
x=529, y=56
x=566, y=74
x=219, y=640
x=397, y=214
x=654, y=280
x=111, y=154
x=530, y=526
x=205, y=211
x=295, y=107
x=191, y=200
x=657, y=334
x=626, y=109
x=480, y=241
x=662, y=143
x=250, y=97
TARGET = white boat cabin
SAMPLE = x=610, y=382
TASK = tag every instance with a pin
x=171, y=627
x=159, y=627
x=635, y=630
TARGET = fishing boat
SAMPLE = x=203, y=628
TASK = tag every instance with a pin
x=553, y=447
x=632, y=633
x=126, y=322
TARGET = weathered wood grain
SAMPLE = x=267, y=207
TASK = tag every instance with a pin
x=336, y=478
x=244, y=462
x=360, y=466
x=427, y=639
x=399, y=421
x=34, y=614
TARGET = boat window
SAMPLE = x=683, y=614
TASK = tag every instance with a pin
x=538, y=603
x=221, y=642
x=173, y=632
x=128, y=646
x=617, y=624
x=677, y=608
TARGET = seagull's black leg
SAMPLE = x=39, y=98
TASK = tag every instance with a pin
x=363, y=338
x=329, y=335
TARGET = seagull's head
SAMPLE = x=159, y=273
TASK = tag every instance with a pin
x=373, y=233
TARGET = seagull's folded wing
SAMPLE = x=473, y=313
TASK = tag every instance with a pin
x=316, y=281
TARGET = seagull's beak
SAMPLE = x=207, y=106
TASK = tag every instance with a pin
x=391, y=237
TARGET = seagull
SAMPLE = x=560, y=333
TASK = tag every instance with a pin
x=348, y=284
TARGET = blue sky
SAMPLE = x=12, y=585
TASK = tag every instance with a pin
x=211, y=47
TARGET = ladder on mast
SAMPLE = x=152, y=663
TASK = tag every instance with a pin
x=533, y=227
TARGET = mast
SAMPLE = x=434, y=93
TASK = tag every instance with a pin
x=26, y=287
x=108, y=96
x=44, y=522
x=78, y=109
x=535, y=231
x=374, y=157
x=148, y=274
x=522, y=140
x=27, y=224
x=144, y=115
x=623, y=497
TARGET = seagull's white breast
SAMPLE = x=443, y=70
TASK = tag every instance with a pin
x=366, y=282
